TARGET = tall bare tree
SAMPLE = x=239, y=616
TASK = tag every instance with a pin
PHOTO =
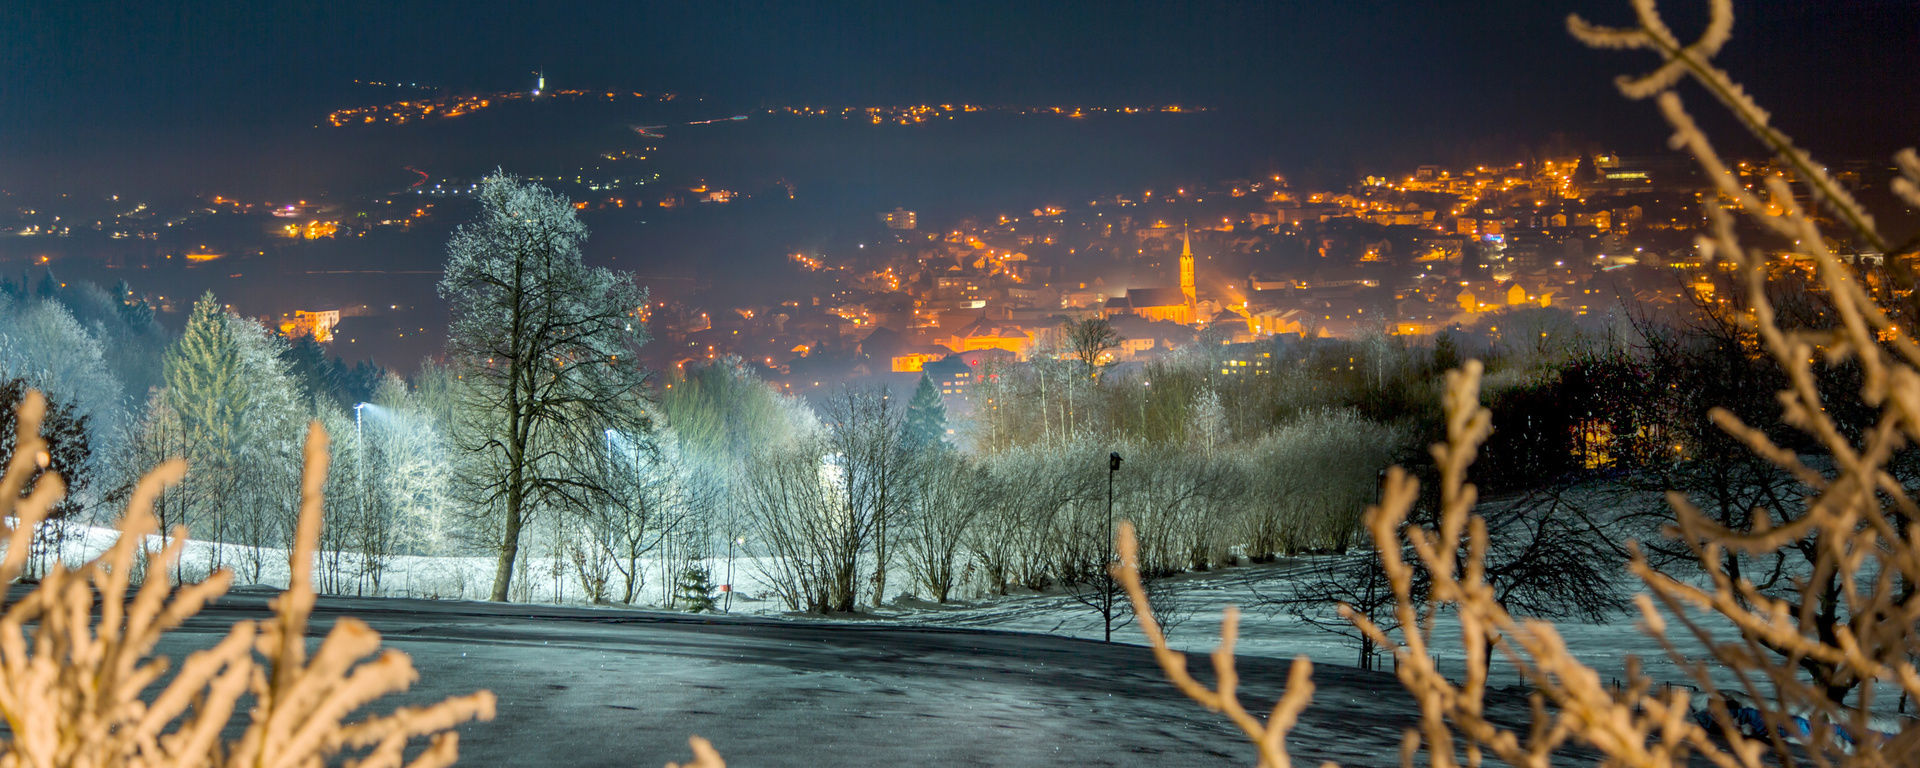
x=547, y=347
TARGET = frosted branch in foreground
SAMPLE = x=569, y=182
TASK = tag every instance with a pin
x=72, y=695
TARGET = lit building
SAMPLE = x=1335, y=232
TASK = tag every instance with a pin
x=953, y=376
x=900, y=218
x=1186, y=268
x=1246, y=359
x=958, y=374
x=313, y=230
x=910, y=362
x=1152, y=304
x=987, y=334
x=1272, y=322
x=1175, y=306
x=318, y=324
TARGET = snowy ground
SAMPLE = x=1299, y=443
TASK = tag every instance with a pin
x=1200, y=599
x=582, y=687
x=1014, y=680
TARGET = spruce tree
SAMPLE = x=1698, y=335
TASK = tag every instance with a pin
x=134, y=311
x=318, y=375
x=69, y=449
x=50, y=286
x=926, y=415
x=202, y=372
x=207, y=388
x=694, y=590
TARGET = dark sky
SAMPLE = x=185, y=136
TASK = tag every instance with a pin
x=1357, y=75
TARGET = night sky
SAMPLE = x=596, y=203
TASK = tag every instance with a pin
x=177, y=102
x=1357, y=78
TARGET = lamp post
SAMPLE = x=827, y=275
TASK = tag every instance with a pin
x=360, y=464
x=1106, y=599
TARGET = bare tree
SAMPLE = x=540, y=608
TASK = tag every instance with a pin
x=1319, y=470
x=1357, y=582
x=1544, y=558
x=873, y=471
x=655, y=500
x=1089, y=340
x=796, y=527
x=547, y=346
x=950, y=497
x=828, y=504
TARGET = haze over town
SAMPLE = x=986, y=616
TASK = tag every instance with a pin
x=871, y=324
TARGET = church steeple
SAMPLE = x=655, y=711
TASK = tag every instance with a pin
x=1186, y=267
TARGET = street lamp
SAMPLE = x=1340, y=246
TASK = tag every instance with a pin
x=1106, y=605
x=360, y=462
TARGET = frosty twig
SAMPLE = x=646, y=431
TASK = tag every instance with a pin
x=72, y=694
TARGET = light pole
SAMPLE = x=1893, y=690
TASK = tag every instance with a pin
x=360, y=466
x=1106, y=599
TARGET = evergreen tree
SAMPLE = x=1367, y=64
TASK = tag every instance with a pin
x=204, y=382
x=317, y=375
x=69, y=449
x=358, y=384
x=694, y=590
x=135, y=312
x=926, y=415
x=49, y=286
x=208, y=389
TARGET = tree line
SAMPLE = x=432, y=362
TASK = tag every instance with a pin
x=538, y=441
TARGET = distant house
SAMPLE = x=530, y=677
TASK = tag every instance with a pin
x=985, y=333
x=318, y=324
x=1259, y=282
x=956, y=375
x=1142, y=337
x=1272, y=322
x=916, y=357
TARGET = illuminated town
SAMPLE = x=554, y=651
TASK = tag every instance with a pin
x=1244, y=263
x=1211, y=383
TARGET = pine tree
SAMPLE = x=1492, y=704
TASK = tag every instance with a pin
x=204, y=383
x=318, y=375
x=135, y=312
x=694, y=590
x=68, y=447
x=926, y=415
x=207, y=388
x=49, y=286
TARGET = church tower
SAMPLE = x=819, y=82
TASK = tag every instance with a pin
x=1186, y=268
